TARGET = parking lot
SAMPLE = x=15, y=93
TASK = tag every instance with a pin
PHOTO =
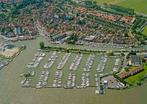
x=68, y=70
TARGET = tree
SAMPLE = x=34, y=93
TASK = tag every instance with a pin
x=26, y=75
x=72, y=39
x=42, y=46
x=138, y=83
x=132, y=52
x=122, y=54
x=67, y=51
x=126, y=69
x=82, y=22
x=110, y=53
x=143, y=60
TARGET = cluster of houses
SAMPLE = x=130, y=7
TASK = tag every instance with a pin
x=19, y=33
x=21, y=27
x=107, y=16
x=88, y=24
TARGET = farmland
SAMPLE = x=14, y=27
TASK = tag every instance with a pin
x=137, y=5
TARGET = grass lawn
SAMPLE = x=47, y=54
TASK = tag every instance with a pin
x=145, y=31
x=133, y=80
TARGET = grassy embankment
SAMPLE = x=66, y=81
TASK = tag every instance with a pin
x=139, y=78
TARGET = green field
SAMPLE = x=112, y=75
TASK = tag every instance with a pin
x=138, y=5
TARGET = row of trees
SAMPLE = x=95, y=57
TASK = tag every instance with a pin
x=122, y=9
x=42, y=45
x=72, y=39
x=90, y=4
